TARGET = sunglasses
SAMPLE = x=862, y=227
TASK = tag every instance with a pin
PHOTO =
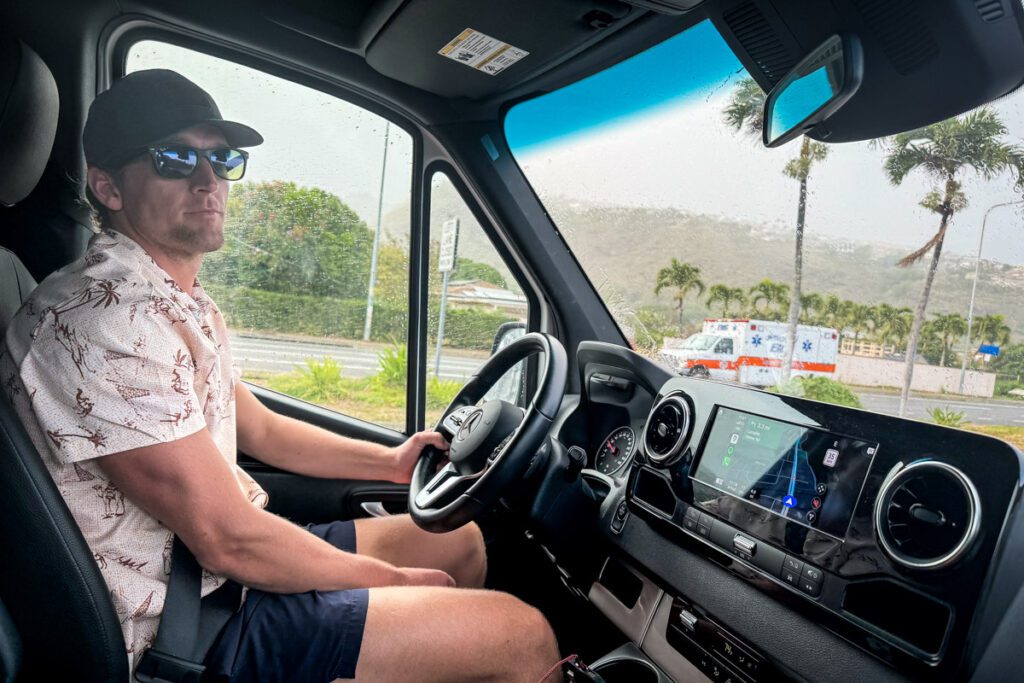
x=181, y=161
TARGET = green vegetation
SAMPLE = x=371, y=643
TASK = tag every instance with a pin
x=819, y=389
x=380, y=397
x=255, y=310
x=947, y=417
x=684, y=278
x=944, y=152
x=1014, y=435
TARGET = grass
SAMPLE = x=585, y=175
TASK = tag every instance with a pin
x=380, y=398
x=1014, y=435
x=947, y=417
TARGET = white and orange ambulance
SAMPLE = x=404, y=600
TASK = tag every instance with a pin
x=750, y=351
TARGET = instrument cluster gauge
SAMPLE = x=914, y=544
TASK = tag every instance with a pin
x=615, y=451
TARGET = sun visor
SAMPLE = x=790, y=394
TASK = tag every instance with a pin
x=473, y=49
x=924, y=60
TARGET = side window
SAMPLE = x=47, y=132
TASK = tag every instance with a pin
x=472, y=296
x=313, y=275
x=724, y=346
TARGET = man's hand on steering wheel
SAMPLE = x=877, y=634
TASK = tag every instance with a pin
x=407, y=454
x=492, y=442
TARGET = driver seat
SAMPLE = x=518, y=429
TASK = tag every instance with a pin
x=49, y=581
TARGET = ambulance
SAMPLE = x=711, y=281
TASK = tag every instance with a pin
x=751, y=351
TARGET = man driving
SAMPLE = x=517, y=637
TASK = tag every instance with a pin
x=120, y=367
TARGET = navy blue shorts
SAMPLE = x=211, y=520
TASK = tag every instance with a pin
x=309, y=637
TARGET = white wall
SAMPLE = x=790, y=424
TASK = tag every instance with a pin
x=876, y=372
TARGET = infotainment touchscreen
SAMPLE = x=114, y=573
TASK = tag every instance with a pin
x=804, y=474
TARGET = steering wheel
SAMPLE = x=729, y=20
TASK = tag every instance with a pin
x=492, y=444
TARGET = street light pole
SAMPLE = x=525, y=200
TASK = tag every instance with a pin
x=974, y=289
x=376, y=238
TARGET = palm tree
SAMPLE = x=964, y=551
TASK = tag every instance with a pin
x=746, y=113
x=726, y=295
x=810, y=306
x=859, y=318
x=944, y=151
x=991, y=329
x=685, y=278
x=892, y=325
x=947, y=327
x=832, y=311
x=772, y=293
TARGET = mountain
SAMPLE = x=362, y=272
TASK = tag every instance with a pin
x=622, y=249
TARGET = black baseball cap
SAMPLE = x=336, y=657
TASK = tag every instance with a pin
x=147, y=107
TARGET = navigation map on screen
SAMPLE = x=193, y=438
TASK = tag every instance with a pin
x=808, y=475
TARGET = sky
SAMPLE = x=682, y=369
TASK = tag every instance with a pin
x=679, y=152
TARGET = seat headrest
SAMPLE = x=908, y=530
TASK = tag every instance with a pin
x=28, y=118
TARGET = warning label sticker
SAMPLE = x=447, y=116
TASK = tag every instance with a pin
x=482, y=52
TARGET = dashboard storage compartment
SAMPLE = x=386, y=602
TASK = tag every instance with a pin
x=912, y=617
x=655, y=492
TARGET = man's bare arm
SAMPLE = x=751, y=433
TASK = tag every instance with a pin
x=303, y=448
x=191, y=489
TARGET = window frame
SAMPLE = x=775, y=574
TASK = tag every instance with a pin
x=502, y=249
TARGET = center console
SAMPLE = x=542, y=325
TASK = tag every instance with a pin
x=880, y=528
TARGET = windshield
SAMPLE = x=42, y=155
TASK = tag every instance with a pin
x=700, y=342
x=836, y=258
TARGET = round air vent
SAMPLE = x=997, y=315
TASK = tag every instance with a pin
x=667, y=429
x=927, y=515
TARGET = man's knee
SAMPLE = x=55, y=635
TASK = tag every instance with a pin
x=473, y=556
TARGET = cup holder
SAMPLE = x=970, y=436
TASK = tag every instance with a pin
x=627, y=671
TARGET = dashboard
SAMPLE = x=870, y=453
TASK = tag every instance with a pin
x=883, y=533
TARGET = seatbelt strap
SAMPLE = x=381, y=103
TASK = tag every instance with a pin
x=170, y=659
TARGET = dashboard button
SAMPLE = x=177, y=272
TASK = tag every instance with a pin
x=692, y=513
x=744, y=546
x=812, y=588
x=690, y=524
x=793, y=565
x=791, y=577
x=688, y=619
x=812, y=573
x=704, y=525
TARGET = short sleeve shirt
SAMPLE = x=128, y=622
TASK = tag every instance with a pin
x=110, y=354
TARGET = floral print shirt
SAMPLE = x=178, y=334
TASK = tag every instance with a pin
x=109, y=354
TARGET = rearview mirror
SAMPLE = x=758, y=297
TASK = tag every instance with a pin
x=814, y=90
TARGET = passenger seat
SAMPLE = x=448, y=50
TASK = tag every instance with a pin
x=15, y=286
x=29, y=105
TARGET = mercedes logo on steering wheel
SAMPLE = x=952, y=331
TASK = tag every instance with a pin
x=469, y=425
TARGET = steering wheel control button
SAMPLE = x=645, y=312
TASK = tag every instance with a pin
x=688, y=619
x=743, y=546
x=812, y=573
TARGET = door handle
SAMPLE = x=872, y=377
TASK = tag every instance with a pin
x=374, y=509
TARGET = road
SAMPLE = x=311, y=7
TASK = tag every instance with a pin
x=990, y=412
x=359, y=360
x=356, y=359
